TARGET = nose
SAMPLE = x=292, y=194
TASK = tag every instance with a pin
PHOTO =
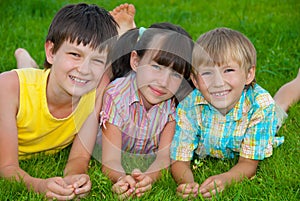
x=218, y=79
x=164, y=78
x=83, y=67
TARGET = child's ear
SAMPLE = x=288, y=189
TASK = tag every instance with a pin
x=49, y=51
x=194, y=80
x=134, y=60
x=250, y=75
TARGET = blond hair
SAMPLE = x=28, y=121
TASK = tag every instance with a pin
x=219, y=46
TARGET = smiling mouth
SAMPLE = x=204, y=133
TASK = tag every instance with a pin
x=220, y=94
x=76, y=79
x=157, y=91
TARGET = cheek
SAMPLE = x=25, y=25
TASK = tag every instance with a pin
x=174, y=85
x=203, y=83
x=98, y=72
x=142, y=80
x=238, y=82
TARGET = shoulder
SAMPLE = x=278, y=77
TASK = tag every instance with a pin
x=31, y=73
x=118, y=87
x=188, y=109
x=9, y=81
x=192, y=99
x=260, y=97
x=116, y=94
x=9, y=88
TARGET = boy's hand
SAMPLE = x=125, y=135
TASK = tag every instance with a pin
x=124, y=187
x=80, y=182
x=56, y=188
x=213, y=184
x=188, y=190
x=144, y=182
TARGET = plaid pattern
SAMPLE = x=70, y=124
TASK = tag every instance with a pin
x=123, y=108
x=248, y=129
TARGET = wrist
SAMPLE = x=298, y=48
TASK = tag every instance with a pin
x=121, y=177
x=36, y=184
x=152, y=177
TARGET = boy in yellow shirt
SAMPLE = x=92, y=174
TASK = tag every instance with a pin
x=43, y=110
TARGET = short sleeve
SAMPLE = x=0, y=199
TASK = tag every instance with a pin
x=110, y=111
x=185, y=139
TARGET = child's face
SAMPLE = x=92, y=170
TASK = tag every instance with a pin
x=156, y=83
x=222, y=86
x=76, y=69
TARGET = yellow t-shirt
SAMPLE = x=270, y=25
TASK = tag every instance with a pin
x=38, y=130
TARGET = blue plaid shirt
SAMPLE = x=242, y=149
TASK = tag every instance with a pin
x=248, y=129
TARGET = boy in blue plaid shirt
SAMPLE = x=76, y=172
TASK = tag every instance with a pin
x=227, y=114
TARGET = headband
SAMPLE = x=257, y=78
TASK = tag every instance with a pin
x=141, y=31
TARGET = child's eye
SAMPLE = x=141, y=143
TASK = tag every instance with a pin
x=99, y=61
x=205, y=73
x=229, y=70
x=177, y=75
x=157, y=67
x=74, y=54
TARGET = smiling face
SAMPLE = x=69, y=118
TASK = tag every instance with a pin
x=156, y=83
x=224, y=62
x=222, y=86
x=76, y=69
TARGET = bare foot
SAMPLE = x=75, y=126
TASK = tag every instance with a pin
x=24, y=60
x=124, y=16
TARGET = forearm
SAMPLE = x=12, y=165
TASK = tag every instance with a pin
x=111, y=152
x=16, y=173
x=77, y=165
x=182, y=172
x=160, y=163
x=82, y=148
x=162, y=160
x=245, y=168
x=113, y=170
x=154, y=172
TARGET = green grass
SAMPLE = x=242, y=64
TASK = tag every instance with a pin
x=273, y=27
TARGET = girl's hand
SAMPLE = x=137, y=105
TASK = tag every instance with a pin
x=188, y=190
x=56, y=188
x=80, y=182
x=124, y=187
x=213, y=184
x=144, y=182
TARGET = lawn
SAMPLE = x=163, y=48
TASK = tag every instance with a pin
x=273, y=27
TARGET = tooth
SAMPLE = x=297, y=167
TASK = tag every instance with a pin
x=77, y=79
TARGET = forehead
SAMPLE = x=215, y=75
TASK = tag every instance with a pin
x=85, y=48
x=219, y=64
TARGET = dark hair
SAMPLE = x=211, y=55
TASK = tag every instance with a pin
x=82, y=23
x=119, y=56
x=175, y=48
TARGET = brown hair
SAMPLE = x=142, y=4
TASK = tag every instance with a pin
x=82, y=23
